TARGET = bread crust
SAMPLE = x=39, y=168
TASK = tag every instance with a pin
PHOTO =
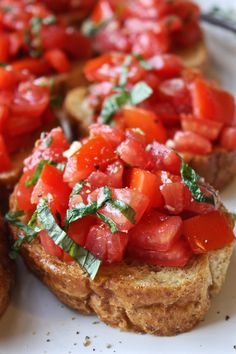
x=195, y=56
x=133, y=296
x=6, y=271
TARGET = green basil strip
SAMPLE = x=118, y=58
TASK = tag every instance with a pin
x=140, y=92
x=89, y=262
x=191, y=179
x=77, y=188
x=109, y=222
x=34, y=179
x=144, y=63
x=125, y=209
x=49, y=20
x=30, y=230
x=124, y=71
x=80, y=211
x=113, y=104
x=90, y=29
x=104, y=197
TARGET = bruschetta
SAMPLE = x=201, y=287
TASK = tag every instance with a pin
x=122, y=228
x=6, y=271
x=148, y=28
x=170, y=103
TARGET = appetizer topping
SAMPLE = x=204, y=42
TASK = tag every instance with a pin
x=163, y=99
x=143, y=27
x=113, y=198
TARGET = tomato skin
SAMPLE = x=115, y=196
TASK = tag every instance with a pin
x=156, y=232
x=95, y=153
x=114, y=135
x=148, y=43
x=108, y=67
x=51, y=183
x=178, y=255
x=5, y=161
x=174, y=196
x=4, y=115
x=212, y=103
x=38, y=67
x=166, y=65
x=208, y=232
x=23, y=193
x=148, y=184
x=44, y=151
x=192, y=143
x=136, y=200
x=4, y=48
x=228, y=138
x=165, y=158
x=7, y=79
x=108, y=247
x=79, y=229
x=58, y=60
x=209, y=129
x=133, y=153
x=147, y=121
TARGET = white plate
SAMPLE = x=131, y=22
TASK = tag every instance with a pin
x=36, y=322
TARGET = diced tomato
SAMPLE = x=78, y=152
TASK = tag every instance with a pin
x=165, y=158
x=79, y=229
x=166, y=65
x=212, y=103
x=102, y=11
x=53, y=37
x=148, y=43
x=114, y=135
x=49, y=245
x=92, y=155
x=4, y=115
x=19, y=125
x=58, y=60
x=115, y=172
x=106, y=42
x=178, y=255
x=7, y=79
x=36, y=66
x=106, y=246
x=51, y=186
x=228, y=138
x=133, y=153
x=30, y=99
x=192, y=143
x=175, y=197
x=23, y=193
x=108, y=67
x=147, y=121
x=148, y=184
x=51, y=146
x=4, y=48
x=5, y=161
x=156, y=232
x=133, y=198
x=208, y=232
x=209, y=129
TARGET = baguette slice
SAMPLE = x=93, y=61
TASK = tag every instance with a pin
x=218, y=168
x=6, y=271
x=133, y=296
x=195, y=56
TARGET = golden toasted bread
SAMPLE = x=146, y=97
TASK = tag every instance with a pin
x=195, y=56
x=6, y=271
x=133, y=296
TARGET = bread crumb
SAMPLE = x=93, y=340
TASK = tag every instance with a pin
x=109, y=346
x=227, y=317
x=86, y=341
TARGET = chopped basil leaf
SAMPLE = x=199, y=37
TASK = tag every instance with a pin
x=140, y=92
x=47, y=142
x=26, y=37
x=49, y=20
x=37, y=173
x=144, y=63
x=7, y=8
x=104, y=197
x=77, y=188
x=3, y=65
x=112, y=104
x=125, y=209
x=109, y=222
x=124, y=71
x=90, y=28
x=89, y=262
x=80, y=211
x=191, y=179
x=30, y=230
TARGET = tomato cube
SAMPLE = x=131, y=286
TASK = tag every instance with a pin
x=192, y=143
x=5, y=161
x=209, y=129
x=228, y=138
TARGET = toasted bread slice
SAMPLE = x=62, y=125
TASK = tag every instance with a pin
x=6, y=271
x=133, y=296
x=195, y=56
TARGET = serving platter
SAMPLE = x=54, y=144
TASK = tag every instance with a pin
x=36, y=322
